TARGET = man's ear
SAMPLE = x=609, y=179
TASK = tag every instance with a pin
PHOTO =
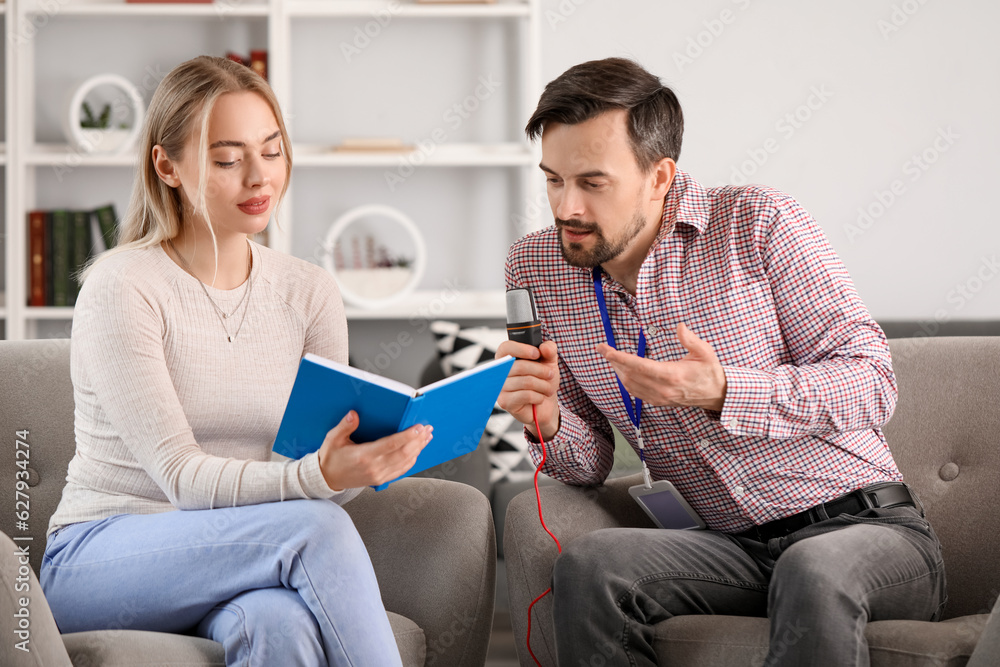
x=165, y=167
x=662, y=177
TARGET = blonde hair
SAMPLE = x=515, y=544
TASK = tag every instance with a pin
x=183, y=101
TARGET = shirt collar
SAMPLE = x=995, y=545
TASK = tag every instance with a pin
x=684, y=205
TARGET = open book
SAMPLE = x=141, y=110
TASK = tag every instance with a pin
x=324, y=391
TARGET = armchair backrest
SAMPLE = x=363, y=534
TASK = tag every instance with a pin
x=37, y=397
x=945, y=437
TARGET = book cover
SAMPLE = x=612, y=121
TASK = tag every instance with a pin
x=62, y=244
x=258, y=62
x=107, y=220
x=81, y=251
x=48, y=259
x=36, y=255
x=324, y=391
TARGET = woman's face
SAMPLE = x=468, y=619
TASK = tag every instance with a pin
x=246, y=164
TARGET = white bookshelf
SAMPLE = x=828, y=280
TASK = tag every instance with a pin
x=34, y=156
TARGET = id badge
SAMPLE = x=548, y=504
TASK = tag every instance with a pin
x=666, y=506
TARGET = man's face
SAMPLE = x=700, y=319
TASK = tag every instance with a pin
x=598, y=194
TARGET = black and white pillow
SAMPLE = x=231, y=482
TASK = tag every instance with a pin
x=460, y=349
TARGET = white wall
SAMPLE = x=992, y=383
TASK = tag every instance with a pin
x=886, y=79
x=894, y=77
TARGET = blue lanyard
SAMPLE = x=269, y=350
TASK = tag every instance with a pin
x=636, y=414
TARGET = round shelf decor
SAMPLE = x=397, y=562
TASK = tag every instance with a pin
x=368, y=275
x=113, y=138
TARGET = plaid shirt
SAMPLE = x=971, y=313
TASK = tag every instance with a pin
x=809, y=378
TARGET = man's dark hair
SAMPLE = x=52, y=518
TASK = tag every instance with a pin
x=655, y=121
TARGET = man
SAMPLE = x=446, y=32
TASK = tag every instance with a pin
x=763, y=382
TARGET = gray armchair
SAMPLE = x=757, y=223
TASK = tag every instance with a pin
x=431, y=543
x=944, y=436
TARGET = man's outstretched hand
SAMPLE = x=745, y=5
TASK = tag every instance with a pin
x=697, y=380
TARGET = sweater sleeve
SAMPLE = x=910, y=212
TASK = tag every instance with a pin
x=118, y=333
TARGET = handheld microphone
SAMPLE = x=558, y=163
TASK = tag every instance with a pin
x=523, y=324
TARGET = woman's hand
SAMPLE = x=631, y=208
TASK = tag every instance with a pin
x=346, y=464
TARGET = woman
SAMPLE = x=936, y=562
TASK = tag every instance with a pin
x=186, y=340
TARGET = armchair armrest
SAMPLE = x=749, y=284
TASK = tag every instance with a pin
x=433, y=548
x=30, y=625
x=569, y=512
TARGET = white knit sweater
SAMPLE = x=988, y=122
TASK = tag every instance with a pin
x=169, y=415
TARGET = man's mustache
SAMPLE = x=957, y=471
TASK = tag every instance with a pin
x=577, y=225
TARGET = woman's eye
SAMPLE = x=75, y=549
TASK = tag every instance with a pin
x=272, y=156
x=226, y=165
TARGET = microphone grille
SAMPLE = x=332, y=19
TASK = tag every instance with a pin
x=520, y=306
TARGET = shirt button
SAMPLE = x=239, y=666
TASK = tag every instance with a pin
x=652, y=331
x=738, y=491
x=703, y=444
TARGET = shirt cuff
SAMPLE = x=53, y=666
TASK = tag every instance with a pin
x=749, y=397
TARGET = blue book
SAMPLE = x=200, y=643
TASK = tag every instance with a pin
x=458, y=408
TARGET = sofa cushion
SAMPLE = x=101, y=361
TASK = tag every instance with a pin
x=136, y=648
x=696, y=640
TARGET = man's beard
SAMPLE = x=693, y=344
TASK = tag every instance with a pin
x=604, y=250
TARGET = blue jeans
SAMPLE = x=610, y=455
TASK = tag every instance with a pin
x=286, y=583
x=819, y=586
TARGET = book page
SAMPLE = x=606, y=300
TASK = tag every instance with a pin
x=364, y=376
x=465, y=373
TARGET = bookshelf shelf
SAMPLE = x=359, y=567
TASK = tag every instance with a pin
x=48, y=313
x=220, y=10
x=493, y=169
x=442, y=155
x=363, y=8
x=430, y=304
x=46, y=155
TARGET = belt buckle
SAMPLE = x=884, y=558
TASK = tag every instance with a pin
x=866, y=500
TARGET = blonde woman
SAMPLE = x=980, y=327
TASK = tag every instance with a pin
x=186, y=339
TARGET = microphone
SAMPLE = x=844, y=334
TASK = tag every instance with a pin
x=523, y=324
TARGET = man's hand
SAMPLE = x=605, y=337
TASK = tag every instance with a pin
x=533, y=381
x=346, y=465
x=697, y=380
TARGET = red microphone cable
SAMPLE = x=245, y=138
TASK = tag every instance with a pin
x=538, y=498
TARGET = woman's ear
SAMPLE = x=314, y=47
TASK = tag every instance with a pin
x=165, y=167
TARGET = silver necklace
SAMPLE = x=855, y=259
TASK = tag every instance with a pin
x=222, y=315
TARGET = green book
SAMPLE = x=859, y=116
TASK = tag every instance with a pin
x=62, y=256
x=108, y=222
x=81, y=251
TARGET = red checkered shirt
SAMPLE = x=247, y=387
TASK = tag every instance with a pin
x=808, y=372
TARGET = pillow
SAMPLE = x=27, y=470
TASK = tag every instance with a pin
x=460, y=349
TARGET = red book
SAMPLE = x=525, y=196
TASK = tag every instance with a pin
x=236, y=58
x=258, y=62
x=36, y=255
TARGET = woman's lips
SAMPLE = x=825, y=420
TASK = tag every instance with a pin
x=255, y=206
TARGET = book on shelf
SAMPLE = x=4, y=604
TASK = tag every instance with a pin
x=458, y=408
x=59, y=243
x=257, y=60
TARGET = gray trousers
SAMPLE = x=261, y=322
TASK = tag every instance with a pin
x=819, y=586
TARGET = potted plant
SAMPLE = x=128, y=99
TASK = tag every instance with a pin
x=98, y=134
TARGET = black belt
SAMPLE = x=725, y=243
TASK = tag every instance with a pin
x=886, y=494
